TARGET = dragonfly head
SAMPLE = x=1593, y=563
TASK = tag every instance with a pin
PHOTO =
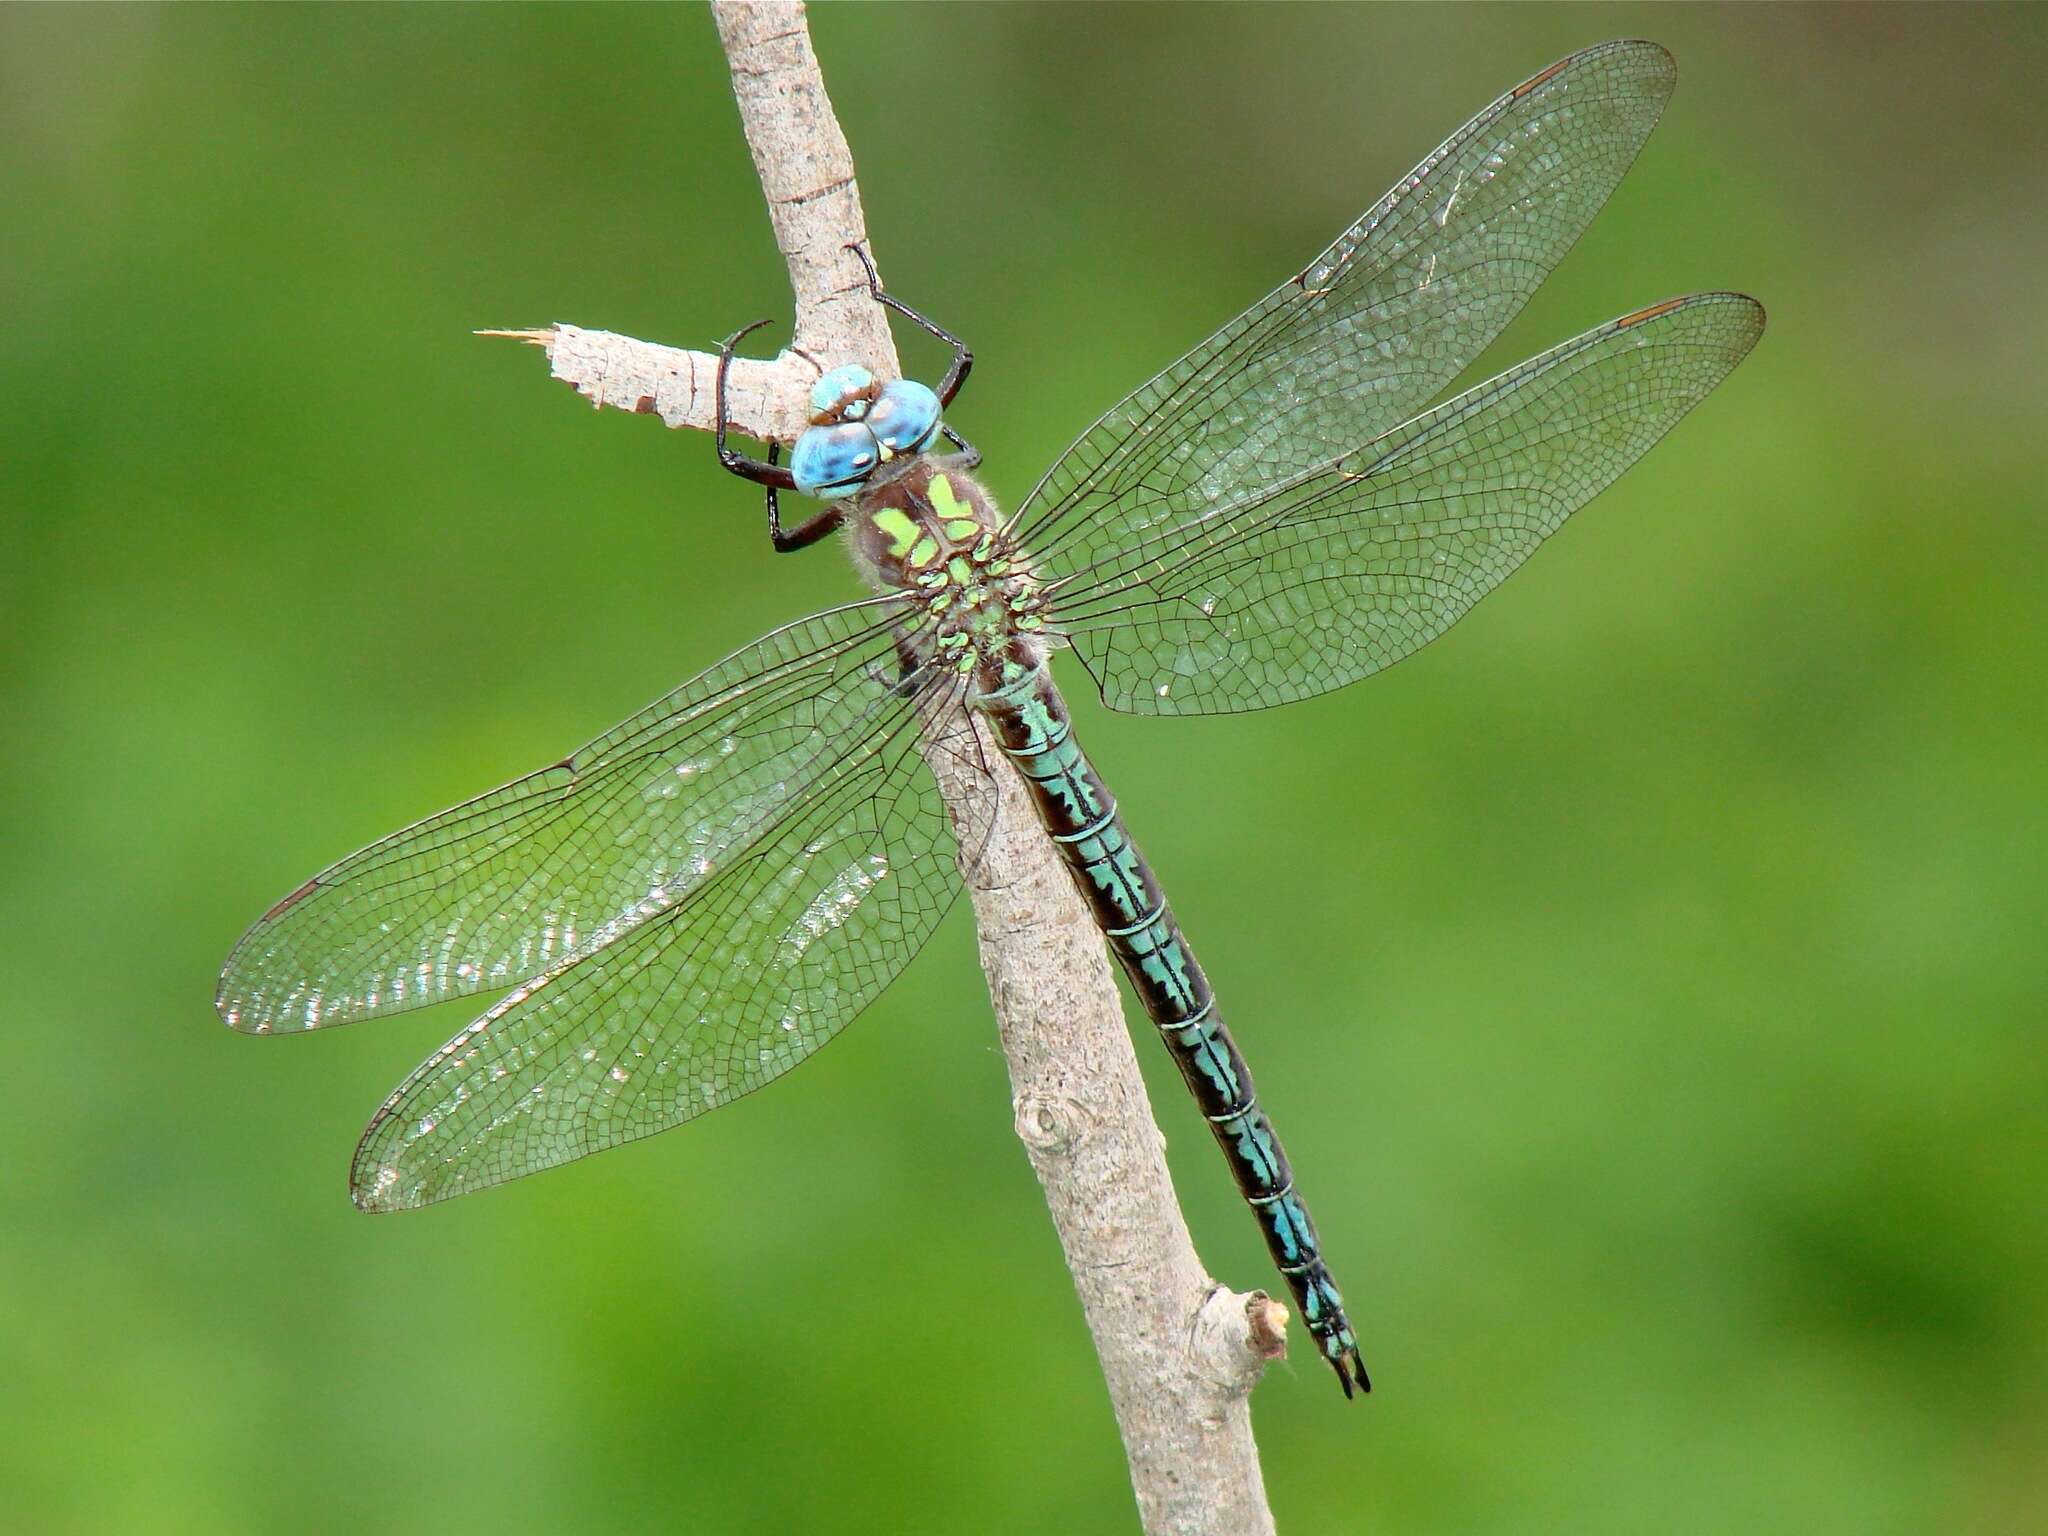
x=857, y=426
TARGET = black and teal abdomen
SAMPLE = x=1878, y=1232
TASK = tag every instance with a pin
x=1030, y=724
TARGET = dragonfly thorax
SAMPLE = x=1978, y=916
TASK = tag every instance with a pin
x=930, y=531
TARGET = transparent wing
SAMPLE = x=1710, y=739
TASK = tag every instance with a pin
x=1375, y=327
x=1344, y=571
x=747, y=971
x=495, y=890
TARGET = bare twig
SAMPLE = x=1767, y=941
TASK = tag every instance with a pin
x=1179, y=1353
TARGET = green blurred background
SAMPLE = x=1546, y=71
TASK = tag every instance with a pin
x=1650, y=978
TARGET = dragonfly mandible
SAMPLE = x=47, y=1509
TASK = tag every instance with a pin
x=693, y=903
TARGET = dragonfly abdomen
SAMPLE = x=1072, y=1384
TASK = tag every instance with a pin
x=1030, y=724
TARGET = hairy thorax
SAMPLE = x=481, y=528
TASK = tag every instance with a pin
x=928, y=530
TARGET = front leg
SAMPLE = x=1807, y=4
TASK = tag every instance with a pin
x=768, y=473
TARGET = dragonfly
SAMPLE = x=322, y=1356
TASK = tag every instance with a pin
x=693, y=903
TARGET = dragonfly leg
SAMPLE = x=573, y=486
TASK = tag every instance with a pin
x=768, y=473
x=805, y=533
x=970, y=456
x=963, y=360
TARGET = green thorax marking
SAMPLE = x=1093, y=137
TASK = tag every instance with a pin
x=909, y=540
x=951, y=509
x=898, y=527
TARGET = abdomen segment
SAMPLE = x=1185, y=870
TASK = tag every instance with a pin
x=1030, y=724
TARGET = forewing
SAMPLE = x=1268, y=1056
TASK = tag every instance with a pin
x=745, y=974
x=1375, y=327
x=497, y=889
x=1346, y=570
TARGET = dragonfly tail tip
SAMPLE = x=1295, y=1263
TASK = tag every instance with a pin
x=1350, y=1369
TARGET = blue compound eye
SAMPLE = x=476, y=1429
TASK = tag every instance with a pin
x=838, y=389
x=833, y=461
x=904, y=417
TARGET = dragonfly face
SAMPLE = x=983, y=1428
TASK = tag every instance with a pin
x=695, y=901
x=857, y=426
